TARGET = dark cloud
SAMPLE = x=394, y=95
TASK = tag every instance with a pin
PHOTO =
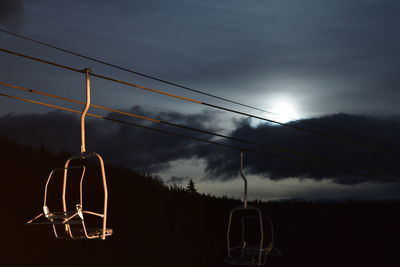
x=225, y=164
x=137, y=148
x=153, y=152
x=11, y=12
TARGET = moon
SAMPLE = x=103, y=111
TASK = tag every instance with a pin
x=283, y=112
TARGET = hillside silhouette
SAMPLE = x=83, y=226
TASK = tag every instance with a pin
x=159, y=225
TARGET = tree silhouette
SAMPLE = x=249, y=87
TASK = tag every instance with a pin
x=190, y=187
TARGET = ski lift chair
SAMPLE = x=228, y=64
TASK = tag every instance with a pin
x=249, y=250
x=254, y=243
x=74, y=221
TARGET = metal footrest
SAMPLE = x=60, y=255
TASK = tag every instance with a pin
x=93, y=233
x=57, y=218
x=248, y=256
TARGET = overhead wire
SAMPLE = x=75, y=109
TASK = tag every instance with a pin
x=329, y=136
x=270, y=147
x=126, y=69
x=188, y=136
x=324, y=127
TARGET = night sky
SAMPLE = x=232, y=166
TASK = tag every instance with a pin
x=331, y=63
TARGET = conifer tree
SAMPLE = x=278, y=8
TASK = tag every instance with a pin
x=190, y=187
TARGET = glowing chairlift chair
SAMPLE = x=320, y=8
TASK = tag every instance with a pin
x=249, y=250
x=73, y=222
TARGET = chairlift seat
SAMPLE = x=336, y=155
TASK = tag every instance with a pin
x=71, y=218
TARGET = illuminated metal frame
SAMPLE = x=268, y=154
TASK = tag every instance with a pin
x=66, y=217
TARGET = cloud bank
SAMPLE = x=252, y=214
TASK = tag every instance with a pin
x=149, y=151
x=137, y=148
x=369, y=154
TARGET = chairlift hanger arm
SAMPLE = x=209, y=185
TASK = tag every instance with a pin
x=244, y=179
x=85, y=110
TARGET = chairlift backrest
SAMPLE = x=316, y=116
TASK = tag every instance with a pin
x=242, y=251
x=75, y=217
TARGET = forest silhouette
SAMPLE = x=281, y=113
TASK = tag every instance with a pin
x=159, y=225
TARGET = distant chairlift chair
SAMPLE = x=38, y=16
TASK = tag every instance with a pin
x=249, y=250
x=74, y=221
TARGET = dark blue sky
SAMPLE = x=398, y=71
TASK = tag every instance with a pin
x=316, y=57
